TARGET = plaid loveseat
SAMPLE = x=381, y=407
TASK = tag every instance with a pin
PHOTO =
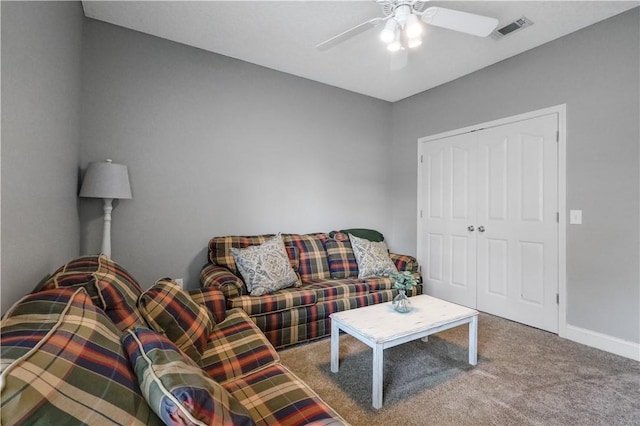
x=328, y=271
x=81, y=349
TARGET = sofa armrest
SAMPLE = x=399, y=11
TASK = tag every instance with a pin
x=404, y=262
x=213, y=299
x=222, y=279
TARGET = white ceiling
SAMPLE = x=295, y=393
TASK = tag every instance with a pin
x=282, y=34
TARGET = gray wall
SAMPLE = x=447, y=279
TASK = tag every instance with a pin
x=41, y=48
x=217, y=146
x=594, y=71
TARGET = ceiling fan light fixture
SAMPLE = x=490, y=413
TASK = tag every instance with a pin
x=388, y=33
x=413, y=27
x=394, y=46
x=414, y=42
x=402, y=30
x=396, y=43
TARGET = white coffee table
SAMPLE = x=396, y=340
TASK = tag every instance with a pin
x=381, y=327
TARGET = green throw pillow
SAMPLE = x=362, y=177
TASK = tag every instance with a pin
x=367, y=234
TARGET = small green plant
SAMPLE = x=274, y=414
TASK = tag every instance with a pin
x=404, y=280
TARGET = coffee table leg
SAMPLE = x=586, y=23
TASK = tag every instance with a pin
x=377, y=376
x=473, y=341
x=335, y=346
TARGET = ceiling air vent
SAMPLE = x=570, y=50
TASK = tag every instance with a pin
x=516, y=25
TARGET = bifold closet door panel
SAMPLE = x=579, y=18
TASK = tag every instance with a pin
x=517, y=204
x=448, y=214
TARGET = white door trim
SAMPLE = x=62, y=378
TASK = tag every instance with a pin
x=561, y=111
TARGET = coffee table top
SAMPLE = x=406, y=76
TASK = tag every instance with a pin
x=380, y=323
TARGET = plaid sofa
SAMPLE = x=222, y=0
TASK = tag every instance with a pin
x=327, y=268
x=80, y=350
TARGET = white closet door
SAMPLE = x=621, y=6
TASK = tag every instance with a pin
x=448, y=209
x=517, y=203
x=503, y=182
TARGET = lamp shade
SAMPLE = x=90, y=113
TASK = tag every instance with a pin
x=106, y=180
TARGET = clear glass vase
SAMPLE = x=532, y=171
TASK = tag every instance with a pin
x=401, y=302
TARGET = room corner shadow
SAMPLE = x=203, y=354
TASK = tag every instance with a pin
x=195, y=266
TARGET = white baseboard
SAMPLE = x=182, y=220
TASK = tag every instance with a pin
x=604, y=342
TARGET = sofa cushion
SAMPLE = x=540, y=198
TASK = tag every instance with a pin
x=294, y=257
x=372, y=257
x=62, y=363
x=313, y=260
x=110, y=286
x=236, y=347
x=219, y=248
x=175, y=387
x=265, y=267
x=276, y=396
x=280, y=300
x=169, y=309
x=379, y=283
x=342, y=260
x=307, y=295
x=337, y=289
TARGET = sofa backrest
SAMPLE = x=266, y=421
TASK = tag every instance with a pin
x=109, y=285
x=306, y=252
x=313, y=261
x=315, y=256
x=342, y=260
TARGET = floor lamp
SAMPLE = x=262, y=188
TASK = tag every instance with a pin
x=109, y=181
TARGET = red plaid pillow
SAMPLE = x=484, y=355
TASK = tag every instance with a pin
x=219, y=253
x=168, y=309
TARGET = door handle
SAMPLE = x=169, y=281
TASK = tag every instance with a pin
x=471, y=228
x=481, y=228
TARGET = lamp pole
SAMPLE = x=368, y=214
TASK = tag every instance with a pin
x=106, y=230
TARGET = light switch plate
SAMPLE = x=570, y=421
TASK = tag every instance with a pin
x=575, y=217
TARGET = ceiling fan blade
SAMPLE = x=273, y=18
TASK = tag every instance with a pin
x=469, y=23
x=351, y=32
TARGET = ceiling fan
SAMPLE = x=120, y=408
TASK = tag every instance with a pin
x=403, y=29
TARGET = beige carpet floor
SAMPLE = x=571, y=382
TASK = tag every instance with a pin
x=524, y=376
